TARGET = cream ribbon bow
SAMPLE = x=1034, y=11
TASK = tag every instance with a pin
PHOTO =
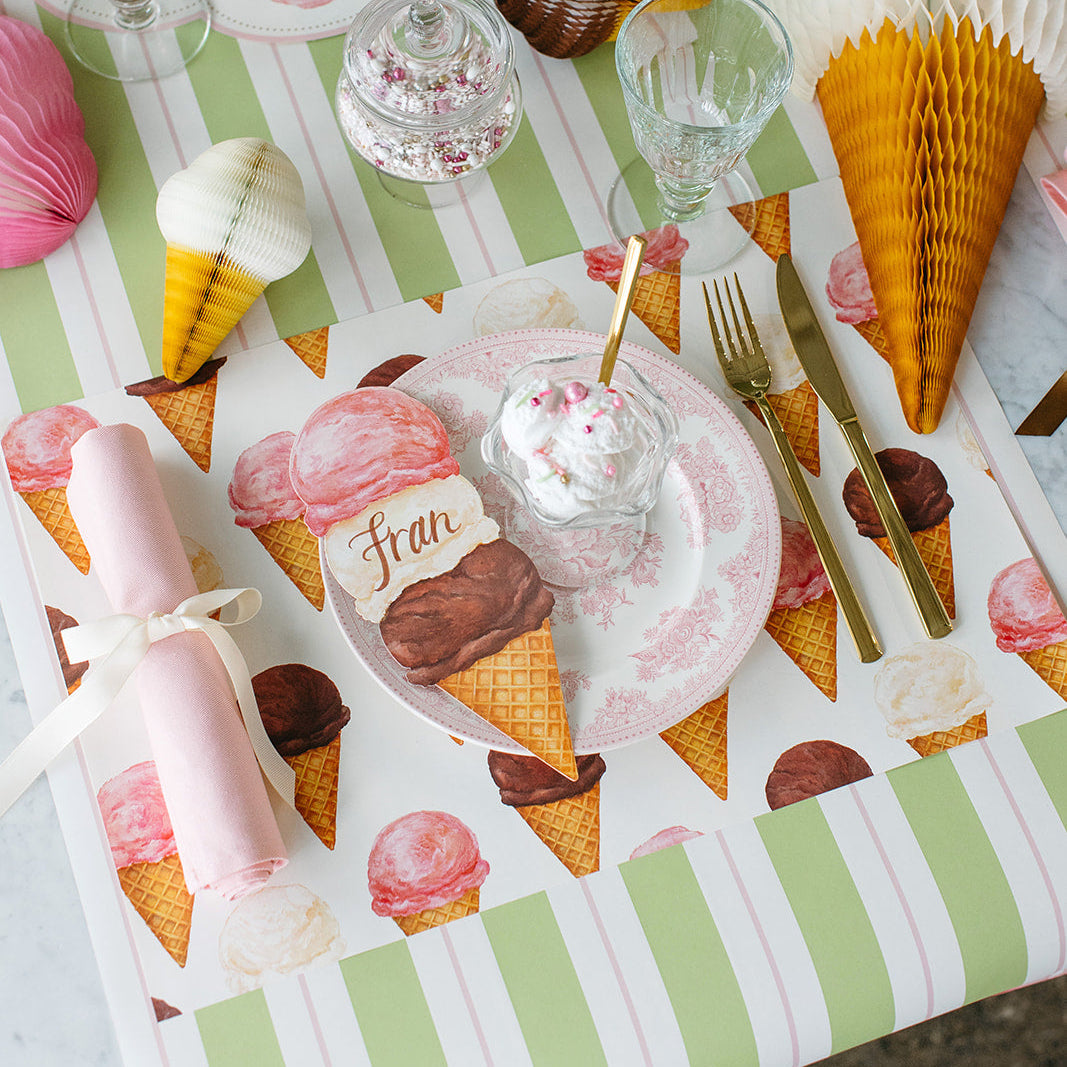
x=118, y=643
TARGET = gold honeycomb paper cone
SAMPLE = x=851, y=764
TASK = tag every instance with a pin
x=571, y=829
x=296, y=550
x=808, y=635
x=312, y=347
x=928, y=137
x=444, y=913
x=317, y=774
x=700, y=740
x=518, y=691
x=935, y=550
x=940, y=740
x=158, y=893
x=657, y=302
x=204, y=297
x=767, y=221
x=1050, y=665
x=53, y=513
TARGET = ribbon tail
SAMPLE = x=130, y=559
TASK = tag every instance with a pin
x=281, y=776
x=67, y=720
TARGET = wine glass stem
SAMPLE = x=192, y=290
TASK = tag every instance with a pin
x=135, y=14
x=682, y=201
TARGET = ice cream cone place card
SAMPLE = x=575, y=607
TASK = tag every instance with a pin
x=424, y=584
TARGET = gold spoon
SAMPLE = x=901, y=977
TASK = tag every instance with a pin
x=624, y=297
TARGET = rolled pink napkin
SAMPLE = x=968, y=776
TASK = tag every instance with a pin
x=224, y=827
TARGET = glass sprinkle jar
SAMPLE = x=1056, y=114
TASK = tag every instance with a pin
x=428, y=91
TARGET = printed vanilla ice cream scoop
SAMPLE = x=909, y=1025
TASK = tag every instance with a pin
x=234, y=220
x=275, y=931
x=931, y=696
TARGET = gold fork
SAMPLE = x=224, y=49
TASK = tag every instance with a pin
x=748, y=373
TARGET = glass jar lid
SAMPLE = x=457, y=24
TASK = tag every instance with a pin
x=429, y=62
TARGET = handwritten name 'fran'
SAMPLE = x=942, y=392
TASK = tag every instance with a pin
x=389, y=544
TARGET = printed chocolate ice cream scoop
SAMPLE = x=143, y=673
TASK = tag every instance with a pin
x=565, y=815
x=303, y=716
x=405, y=535
x=921, y=493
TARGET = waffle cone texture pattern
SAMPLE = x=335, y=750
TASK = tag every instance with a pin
x=296, y=550
x=159, y=895
x=518, y=690
x=940, y=740
x=427, y=919
x=928, y=137
x=700, y=740
x=570, y=828
x=317, y=774
x=808, y=636
x=53, y=513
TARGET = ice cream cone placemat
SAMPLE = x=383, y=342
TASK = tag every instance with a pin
x=412, y=859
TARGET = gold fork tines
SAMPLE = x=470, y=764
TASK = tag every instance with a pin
x=748, y=373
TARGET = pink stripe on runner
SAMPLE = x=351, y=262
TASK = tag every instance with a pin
x=779, y=981
x=310, y=142
x=598, y=922
x=94, y=308
x=476, y=230
x=574, y=143
x=909, y=915
x=313, y=1015
x=168, y=118
x=1057, y=160
x=467, y=998
x=1032, y=842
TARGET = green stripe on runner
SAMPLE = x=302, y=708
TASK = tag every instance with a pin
x=126, y=194
x=531, y=199
x=391, y=1007
x=961, y=858
x=35, y=343
x=1045, y=741
x=596, y=71
x=239, y=1032
x=833, y=921
x=777, y=159
x=692, y=961
x=411, y=238
x=542, y=983
x=231, y=108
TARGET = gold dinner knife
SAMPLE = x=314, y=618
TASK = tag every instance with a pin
x=818, y=363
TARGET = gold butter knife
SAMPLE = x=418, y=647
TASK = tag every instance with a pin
x=818, y=363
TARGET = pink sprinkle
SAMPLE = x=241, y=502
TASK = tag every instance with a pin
x=598, y=413
x=588, y=429
x=616, y=401
x=609, y=470
x=535, y=402
x=575, y=392
x=545, y=392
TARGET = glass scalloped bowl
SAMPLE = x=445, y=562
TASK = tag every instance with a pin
x=580, y=546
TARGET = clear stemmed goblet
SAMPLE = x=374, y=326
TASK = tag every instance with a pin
x=137, y=40
x=700, y=79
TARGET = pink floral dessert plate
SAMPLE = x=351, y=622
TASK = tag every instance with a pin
x=646, y=648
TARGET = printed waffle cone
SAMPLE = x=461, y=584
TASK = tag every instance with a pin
x=929, y=136
x=436, y=301
x=871, y=331
x=935, y=550
x=700, y=740
x=808, y=635
x=798, y=412
x=296, y=550
x=204, y=297
x=518, y=690
x=571, y=828
x=312, y=347
x=53, y=513
x=657, y=301
x=1050, y=665
x=767, y=221
x=189, y=414
x=317, y=773
x=158, y=893
x=940, y=740
x=443, y=913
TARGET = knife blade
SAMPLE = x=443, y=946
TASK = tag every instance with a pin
x=815, y=357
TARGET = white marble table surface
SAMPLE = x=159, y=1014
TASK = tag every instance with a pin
x=52, y=1007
